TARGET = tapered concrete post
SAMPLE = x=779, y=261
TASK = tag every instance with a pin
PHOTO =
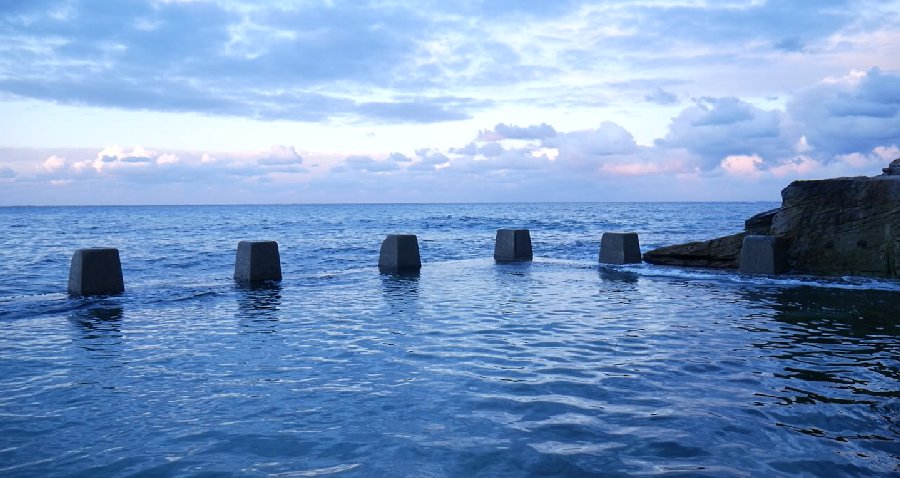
x=512, y=245
x=257, y=261
x=620, y=248
x=96, y=271
x=763, y=255
x=399, y=253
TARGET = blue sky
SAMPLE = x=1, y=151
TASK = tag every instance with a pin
x=229, y=101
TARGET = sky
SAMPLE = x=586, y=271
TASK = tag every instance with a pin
x=232, y=101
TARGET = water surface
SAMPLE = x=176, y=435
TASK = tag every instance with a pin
x=470, y=368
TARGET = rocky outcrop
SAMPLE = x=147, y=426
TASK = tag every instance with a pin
x=721, y=253
x=761, y=223
x=842, y=226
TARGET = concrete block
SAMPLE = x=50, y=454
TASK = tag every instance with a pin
x=620, y=248
x=96, y=271
x=399, y=252
x=512, y=245
x=257, y=261
x=763, y=255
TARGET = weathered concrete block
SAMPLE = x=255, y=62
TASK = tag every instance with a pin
x=257, y=261
x=620, y=248
x=96, y=271
x=399, y=252
x=512, y=245
x=763, y=255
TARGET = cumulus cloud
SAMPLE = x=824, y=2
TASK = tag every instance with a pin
x=280, y=156
x=54, y=163
x=168, y=158
x=715, y=128
x=716, y=148
x=504, y=131
x=429, y=160
x=742, y=165
x=399, y=157
x=586, y=147
x=366, y=163
x=851, y=113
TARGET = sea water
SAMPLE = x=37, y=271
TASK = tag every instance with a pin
x=556, y=367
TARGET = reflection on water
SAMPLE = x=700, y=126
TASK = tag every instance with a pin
x=470, y=368
x=100, y=325
x=833, y=365
x=400, y=291
x=258, y=306
x=612, y=274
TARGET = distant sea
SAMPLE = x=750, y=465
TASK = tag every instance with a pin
x=557, y=367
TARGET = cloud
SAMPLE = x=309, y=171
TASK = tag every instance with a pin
x=718, y=148
x=790, y=44
x=280, y=156
x=504, y=131
x=661, y=97
x=365, y=163
x=742, y=166
x=424, y=110
x=399, y=157
x=715, y=128
x=609, y=139
x=410, y=62
x=168, y=158
x=54, y=163
x=428, y=160
x=851, y=113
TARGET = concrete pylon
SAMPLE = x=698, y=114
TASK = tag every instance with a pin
x=763, y=255
x=512, y=245
x=620, y=248
x=399, y=253
x=257, y=261
x=96, y=271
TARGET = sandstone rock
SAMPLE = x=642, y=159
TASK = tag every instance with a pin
x=721, y=253
x=893, y=169
x=761, y=223
x=842, y=226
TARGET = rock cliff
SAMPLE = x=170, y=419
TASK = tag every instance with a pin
x=841, y=226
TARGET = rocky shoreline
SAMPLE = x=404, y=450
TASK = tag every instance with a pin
x=840, y=226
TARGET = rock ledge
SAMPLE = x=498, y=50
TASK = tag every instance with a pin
x=840, y=226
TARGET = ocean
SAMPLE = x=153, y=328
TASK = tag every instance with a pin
x=556, y=367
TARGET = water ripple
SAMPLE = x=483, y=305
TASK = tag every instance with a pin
x=557, y=367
